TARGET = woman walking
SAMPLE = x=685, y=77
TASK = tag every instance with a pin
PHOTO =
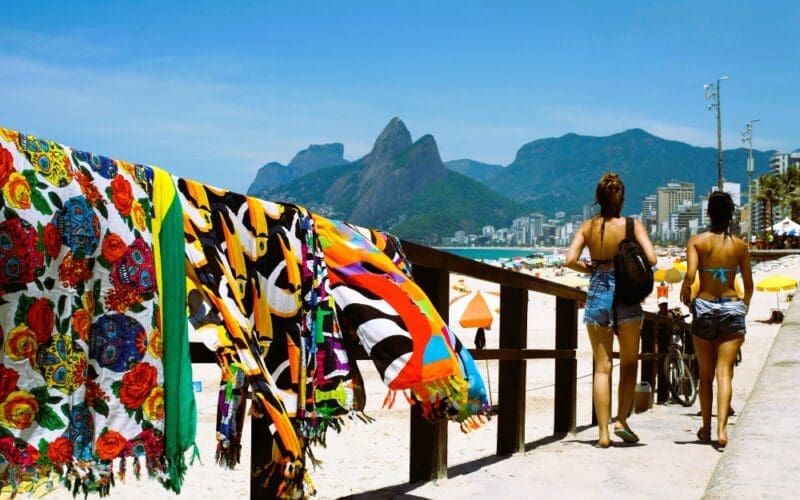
x=602, y=235
x=718, y=325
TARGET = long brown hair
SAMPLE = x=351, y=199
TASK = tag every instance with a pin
x=610, y=195
x=720, y=211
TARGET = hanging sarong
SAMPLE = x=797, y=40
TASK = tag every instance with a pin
x=180, y=406
x=81, y=377
x=397, y=324
x=263, y=277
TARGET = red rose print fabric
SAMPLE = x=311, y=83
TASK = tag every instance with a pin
x=81, y=374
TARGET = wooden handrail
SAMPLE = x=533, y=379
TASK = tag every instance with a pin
x=431, y=270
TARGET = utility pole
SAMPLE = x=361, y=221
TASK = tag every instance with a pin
x=747, y=137
x=712, y=93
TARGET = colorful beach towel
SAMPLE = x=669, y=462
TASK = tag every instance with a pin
x=263, y=278
x=81, y=374
x=394, y=320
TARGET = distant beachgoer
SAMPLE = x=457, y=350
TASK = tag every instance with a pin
x=718, y=325
x=663, y=306
x=602, y=235
x=662, y=290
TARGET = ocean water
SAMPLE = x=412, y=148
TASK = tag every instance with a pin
x=493, y=253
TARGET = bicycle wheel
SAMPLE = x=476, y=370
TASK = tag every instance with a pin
x=680, y=379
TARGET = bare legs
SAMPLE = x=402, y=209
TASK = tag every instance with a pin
x=726, y=356
x=629, y=334
x=716, y=358
x=602, y=340
x=706, y=361
x=602, y=343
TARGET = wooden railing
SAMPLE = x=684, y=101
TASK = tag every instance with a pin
x=431, y=270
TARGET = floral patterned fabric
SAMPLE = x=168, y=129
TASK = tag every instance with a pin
x=80, y=367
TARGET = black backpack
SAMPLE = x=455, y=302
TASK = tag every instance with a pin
x=632, y=273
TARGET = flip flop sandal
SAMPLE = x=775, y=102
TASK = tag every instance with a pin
x=626, y=435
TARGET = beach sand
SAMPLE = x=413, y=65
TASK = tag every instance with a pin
x=371, y=460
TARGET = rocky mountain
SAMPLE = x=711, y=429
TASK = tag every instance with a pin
x=560, y=174
x=401, y=186
x=477, y=170
x=317, y=156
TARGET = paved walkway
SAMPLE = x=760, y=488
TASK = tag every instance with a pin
x=669, y=462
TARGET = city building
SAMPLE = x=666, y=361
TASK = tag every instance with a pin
x=779, y=163
x=650, y=213
x=537, y=223
x=669, y=197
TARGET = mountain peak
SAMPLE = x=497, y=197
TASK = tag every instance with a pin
x=394, y=139
x=317, y=155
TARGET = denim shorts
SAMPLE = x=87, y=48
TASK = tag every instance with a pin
x=712, y=319
x=599, y=301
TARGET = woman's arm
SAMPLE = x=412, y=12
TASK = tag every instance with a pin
x=747, y=273
x=691, y=270
x=575, y=249
x=644, y=241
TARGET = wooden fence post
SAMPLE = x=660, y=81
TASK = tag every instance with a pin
x=512, y=373
x=663, y=338
x=428, y=441
x=260, y=455
x=649, y=347
x=566, y=371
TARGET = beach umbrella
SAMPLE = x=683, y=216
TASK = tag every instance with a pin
x=476, y=310
x=776, y=283
x=670, y=275
x=680, y=266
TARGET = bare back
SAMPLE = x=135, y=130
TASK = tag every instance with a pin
x=717, y=257
x=603, y=249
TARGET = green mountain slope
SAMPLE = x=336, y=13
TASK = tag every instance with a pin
x=477, y=170
x=561, y=173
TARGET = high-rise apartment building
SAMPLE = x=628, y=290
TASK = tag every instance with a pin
x=669, y=197
x=779, y=163
x=650, y=212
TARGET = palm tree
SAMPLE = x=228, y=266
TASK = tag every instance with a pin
x=791, y=194
x=770, y=189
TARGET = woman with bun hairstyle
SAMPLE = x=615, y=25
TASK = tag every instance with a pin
x=602, y=235
x=718, y=324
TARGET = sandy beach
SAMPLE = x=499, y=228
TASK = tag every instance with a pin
x=371, y=460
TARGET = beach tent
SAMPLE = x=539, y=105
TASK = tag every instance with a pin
x=786, y=227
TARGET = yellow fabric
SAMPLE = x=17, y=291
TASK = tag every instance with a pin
x=163, y=194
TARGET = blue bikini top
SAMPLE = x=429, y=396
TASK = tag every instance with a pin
x=719, y=273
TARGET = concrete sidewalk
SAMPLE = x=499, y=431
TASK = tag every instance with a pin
x=669, y=462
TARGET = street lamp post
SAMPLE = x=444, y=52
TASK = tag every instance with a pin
x=712, y=93
x=747, y=137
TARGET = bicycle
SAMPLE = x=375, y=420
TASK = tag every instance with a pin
x=679, y=366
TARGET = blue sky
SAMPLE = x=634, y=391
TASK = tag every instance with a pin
x=213, y=90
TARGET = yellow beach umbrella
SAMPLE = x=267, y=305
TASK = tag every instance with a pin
x=668, y=274
x=776, y=283
x=680, y=266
